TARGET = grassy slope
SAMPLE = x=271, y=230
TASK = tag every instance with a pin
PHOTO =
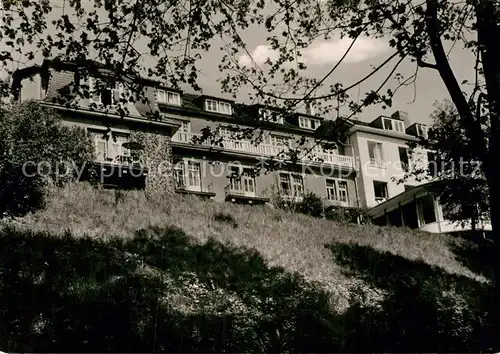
x=292, y=241
x=235, y=279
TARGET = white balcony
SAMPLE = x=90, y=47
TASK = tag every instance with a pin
x=182, y=186
x=122, y=160
x=270, y=150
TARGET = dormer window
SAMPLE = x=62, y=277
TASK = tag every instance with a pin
x=106, y=96
x=168, y=97
x=268, y=115
x=308, y=123
x=394, y=125
x=422, y=131
x=218, y=106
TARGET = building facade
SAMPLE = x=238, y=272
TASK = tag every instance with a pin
x=216, y=148
x=100, y=113
x=246, y=160
x=253, y=168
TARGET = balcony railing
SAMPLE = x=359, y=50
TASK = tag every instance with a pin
x=270, y=150
x=231, y=190
x=181, y=185
x=341, y=203
x=289, y=196
x=122, y=160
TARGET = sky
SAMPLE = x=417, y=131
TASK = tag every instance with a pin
x=418, y=101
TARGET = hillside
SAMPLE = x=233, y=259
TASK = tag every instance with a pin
x=189, y=275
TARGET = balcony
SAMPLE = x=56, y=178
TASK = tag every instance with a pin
x=270, y=150
x=182, y=187
x=236, y=194
x=289, y=196
x=122, y=160
x=339, y=203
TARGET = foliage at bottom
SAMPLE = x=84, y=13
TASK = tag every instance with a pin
x=161, y=291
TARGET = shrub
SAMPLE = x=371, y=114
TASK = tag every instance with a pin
x=311, y=205
x=37, y=150
x=226, y=218
x=345, y=215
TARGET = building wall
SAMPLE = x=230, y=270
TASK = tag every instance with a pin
x=197, y=124
x=157, y=152
x=314, y=180
x=391, y=168
x=215, y=169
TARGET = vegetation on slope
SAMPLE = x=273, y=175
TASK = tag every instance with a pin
x=112, y=271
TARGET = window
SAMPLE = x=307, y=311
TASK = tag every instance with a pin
x=106, y=96
x=187, y=175
x=380, y=189
x=270, y=116
x=168, y=97
x=404, y=158
x=278, y=140
x=211, y=105
x=400, y=126
x=304, y=122
x=194, y=174
x=297, y=185
x=225, y=108
x=242, y=180
x=218, y=106
x=331, y=189
x=426, y=212
x=185, y=127
x=375, y=153
x=422, y=131
x=308, y=123
x=179, y=176
x=434, y=164
x=291, y=185
x=183, y=134
x=342, y=185
x=393, y=124
x=336, y=190
x=110, y=149
x=325, y=149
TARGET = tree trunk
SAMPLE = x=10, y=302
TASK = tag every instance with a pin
x=488, y=34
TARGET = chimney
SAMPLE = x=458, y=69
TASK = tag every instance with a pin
x=308, y=108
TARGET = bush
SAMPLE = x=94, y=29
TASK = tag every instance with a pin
x=37, y=150
x=311, y=205
x=345, y=215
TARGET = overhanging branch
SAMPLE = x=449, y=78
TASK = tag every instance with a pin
x=472, y=126
x=424, y=64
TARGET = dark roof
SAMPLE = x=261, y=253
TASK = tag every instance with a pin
x=190, y=102
x=358, y=122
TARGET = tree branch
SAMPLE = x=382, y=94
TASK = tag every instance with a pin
x=443, y=66
x=423, y=64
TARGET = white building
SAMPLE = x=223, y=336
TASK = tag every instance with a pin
x=383, y=158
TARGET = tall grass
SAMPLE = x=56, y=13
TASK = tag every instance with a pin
x=185, y=274
x=293, y=241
